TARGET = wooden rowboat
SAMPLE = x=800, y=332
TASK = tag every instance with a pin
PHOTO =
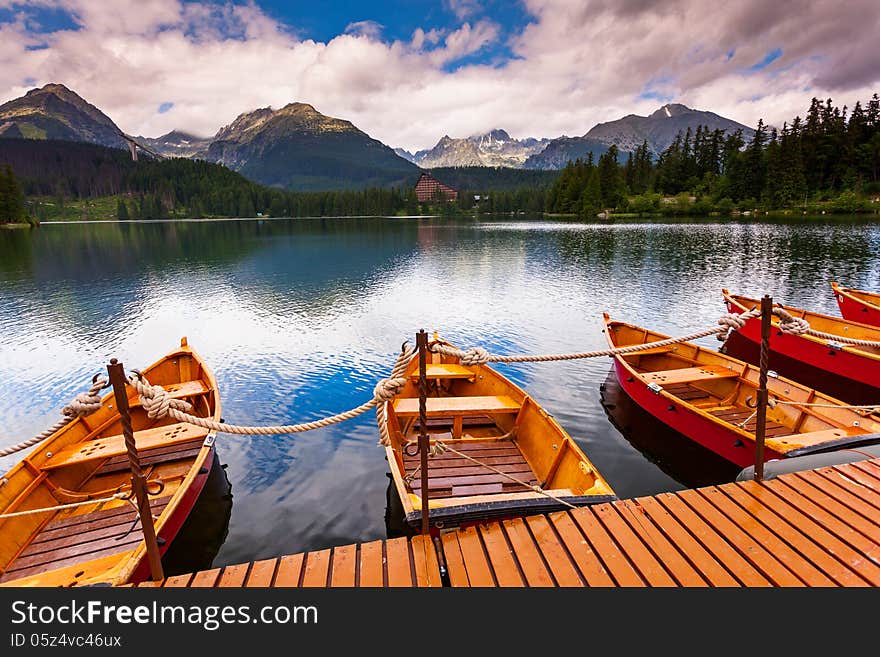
x=849, y=372
x=709, y=397
x=493, y=425
x=86, y=459
x=858, y=305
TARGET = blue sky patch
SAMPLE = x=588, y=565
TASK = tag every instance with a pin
x=166, y=106
x=768, y=59
x=39, y=20
x=400, y=18
x=657, y=89
x=655, y=95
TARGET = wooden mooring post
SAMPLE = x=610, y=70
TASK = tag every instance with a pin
x=422, y=344
x=761, y=419
x=138, y=483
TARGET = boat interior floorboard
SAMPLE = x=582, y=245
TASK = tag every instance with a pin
x=79, y=538
x=736, y=415
x=451, y=475
x=686, y=392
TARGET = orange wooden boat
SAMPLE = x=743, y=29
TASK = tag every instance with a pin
x=858, y=305
x=102, y=543
x=709, y=397
x=848, y=372
x=498, y=426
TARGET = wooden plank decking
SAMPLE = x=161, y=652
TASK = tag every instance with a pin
x=811, y=528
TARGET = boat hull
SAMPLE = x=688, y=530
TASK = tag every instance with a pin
x=841, y=373
x=702, y=430
x=172, y=526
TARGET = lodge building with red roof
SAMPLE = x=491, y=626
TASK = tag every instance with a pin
x=428, y=188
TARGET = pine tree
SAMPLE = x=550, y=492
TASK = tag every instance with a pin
x=12, y=208
x=610, y=177
x=591, y=202
x=5, y=195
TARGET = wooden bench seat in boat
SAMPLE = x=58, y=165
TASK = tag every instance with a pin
x=688, y=374
x=445, y=371
x=452, y=406
x=178, y=391
x=456, y=407
x=103, y=448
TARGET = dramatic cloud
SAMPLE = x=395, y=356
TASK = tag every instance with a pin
x=155, y=65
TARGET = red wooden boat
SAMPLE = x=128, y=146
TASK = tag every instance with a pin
x=709, y=397
x=858, y=305
x=848, y=372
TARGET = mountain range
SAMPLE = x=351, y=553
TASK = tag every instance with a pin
x=298, y=148
x=658, y=130
x=492, y=149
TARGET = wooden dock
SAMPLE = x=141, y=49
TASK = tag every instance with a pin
x=816, y=528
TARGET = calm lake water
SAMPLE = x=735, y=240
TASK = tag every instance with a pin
x=299, y=318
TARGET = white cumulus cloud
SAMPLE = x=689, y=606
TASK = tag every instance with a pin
x=573, y=65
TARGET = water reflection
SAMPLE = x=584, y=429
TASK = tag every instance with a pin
x=299, y=318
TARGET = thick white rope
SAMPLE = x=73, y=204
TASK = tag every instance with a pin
x=60, y=507
x=479, y=356
x=85, y=403
x=157, y=402
x=800, y=326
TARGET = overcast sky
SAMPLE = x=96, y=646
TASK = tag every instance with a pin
x=408, y=72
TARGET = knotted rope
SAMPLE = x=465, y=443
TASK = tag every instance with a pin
x=734, y=322
x=799, y=326
x=85, y=403
x=158, y=403
x=388, y=389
